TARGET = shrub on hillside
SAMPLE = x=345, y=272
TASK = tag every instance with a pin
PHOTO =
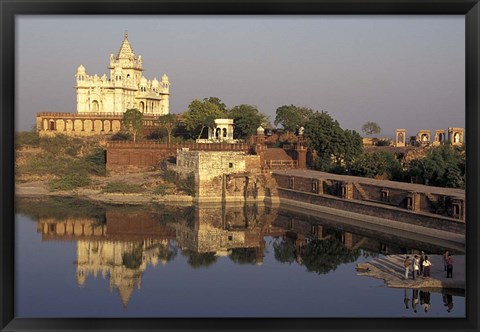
x=69, y=182
x=122, y=187
x=26, y=138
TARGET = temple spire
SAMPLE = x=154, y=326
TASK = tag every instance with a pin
x=126, y=50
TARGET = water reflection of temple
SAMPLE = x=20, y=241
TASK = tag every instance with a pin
x=119, y=249
x=119, y=244
x=220, y=229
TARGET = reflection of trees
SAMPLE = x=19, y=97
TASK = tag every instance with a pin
x=244, y=255
x=167, y=253
x=60, y=208
x=284, y=250
x=323, y=256
x=198, y=260
x=133, y=259
x=319, y=256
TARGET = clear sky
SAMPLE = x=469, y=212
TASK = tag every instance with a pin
x=399, y=71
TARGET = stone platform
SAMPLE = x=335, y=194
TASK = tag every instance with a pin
x=390, y=269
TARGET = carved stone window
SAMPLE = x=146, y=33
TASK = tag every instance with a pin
x=384, y=195
x=291, y=182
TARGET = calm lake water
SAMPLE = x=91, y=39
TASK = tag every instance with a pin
x=77, y=259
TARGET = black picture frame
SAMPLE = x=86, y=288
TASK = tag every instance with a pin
x=11, y=8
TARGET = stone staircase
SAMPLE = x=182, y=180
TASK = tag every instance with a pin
x=361, y=191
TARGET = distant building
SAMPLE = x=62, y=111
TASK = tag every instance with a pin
x=126, y=88
x=102, y=100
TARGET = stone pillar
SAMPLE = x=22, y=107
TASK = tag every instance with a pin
x=347, y=190
x=458, y=211
x=412, y=201
x=401, y=137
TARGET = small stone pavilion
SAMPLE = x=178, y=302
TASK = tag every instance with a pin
x=221, y=133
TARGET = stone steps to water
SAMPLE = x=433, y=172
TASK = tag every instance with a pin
x=391, y=270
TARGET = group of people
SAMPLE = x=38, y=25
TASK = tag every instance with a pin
x=421, y=265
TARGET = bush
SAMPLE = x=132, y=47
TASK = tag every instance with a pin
x=161, y=190
x=97, y=161
x=383, y=142
x=27, y=138
x=122, y=187
x=61, y=144
x=69, y=182
x=187, y=185
x=121, y=136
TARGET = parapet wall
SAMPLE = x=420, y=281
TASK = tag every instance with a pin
x=128, y=156
x=440, y=208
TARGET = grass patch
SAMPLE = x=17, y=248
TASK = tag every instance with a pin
x=161, y=190
x=69, y=182
x=122, y=187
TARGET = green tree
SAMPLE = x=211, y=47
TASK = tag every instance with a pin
x=133, y=122
x=370, y=128
x=292, y=117
x=334, y=146
x=168, y=122
x=200, y=115
x=377, y=164
x=443, y=166
x=247, y=119
x=218, y=102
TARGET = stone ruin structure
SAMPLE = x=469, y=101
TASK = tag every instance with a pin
x=401, y=137
x=455, y=135
x=423, y=137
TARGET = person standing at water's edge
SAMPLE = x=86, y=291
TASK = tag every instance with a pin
x=422, y=258
x=407, y=266
x=445, y=258
x=415, y=263
x=426, y=267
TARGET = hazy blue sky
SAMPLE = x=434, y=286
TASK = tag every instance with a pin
x=400, y=71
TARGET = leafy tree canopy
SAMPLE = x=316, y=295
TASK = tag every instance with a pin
x=370, y=128
x=201, y=114
x=377, y=164
x=443, y=166
x=247, y=119
x=133, y=122
x=292, y=117
x=168, y=122
x=334, y=146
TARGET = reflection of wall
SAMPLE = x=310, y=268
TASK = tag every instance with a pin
x=70, y=229
x=217, y=229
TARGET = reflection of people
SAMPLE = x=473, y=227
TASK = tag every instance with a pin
x=405, y=298
x=449, y=302
x=449, y=263
x=425, y=300
x=406, y=263
x=426, y=267
x=414, y=299
x=415, y=263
